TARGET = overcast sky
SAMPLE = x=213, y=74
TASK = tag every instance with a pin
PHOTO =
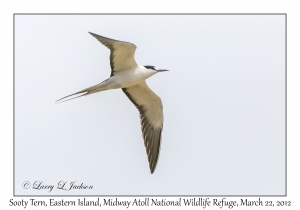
x=223, y=99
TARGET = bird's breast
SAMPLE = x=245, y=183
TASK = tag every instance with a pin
x=131, y=77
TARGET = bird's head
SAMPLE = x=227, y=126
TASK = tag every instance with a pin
x=153, y=68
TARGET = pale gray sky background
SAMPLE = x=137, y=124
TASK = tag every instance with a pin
x=224, y=108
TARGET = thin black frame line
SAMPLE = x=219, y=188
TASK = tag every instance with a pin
x=14, y=105
x=285, y=14
x=285, y=105
x=150, y=13
x=166, y=196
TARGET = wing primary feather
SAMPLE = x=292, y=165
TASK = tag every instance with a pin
x=121, y=53
x=150, y=108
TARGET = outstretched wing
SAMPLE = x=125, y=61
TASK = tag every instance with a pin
x=121, y=53
x=151, y=114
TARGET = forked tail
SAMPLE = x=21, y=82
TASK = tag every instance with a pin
x=94, y=89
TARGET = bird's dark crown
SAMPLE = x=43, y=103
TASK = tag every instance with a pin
x=151, y=67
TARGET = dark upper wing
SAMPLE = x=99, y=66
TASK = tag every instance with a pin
x=121, y=53
x=151, y=114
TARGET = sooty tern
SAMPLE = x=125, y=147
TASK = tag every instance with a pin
x=128, y=75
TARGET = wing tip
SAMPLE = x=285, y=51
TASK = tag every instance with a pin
x=93, y=34
x=153, y=166
x=152, y=170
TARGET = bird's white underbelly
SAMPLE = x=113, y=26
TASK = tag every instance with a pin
x=129, y=78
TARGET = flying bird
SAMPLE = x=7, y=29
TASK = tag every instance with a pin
x=130, y=77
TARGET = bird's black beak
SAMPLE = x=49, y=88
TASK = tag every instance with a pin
x=161, y=70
